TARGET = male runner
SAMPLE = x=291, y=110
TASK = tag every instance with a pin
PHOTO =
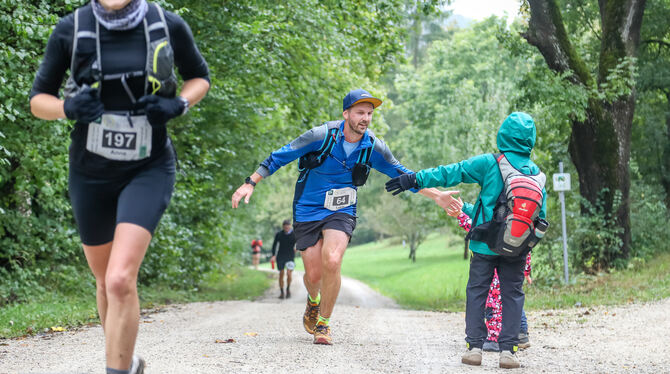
x=324, y=204
x=284, y=256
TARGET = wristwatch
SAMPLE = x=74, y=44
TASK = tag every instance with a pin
x=249, y=181
x=184, y=103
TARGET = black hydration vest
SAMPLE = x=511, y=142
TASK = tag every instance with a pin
x=311, y=160
x=86, y=69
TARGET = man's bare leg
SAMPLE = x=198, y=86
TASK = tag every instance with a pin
x=281, y=280
x=334, y=245
x=289, y=277
x=311, y=258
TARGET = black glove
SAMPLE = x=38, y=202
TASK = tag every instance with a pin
x=160, y=109
x=401, y=183
x=84, y=107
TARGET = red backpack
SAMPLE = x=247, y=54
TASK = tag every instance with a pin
x=515, y=227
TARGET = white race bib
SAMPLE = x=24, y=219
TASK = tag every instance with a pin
x=120, y=137
x=340, y=198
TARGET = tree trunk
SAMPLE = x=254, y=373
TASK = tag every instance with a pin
x=600, y=145
x=665, y=176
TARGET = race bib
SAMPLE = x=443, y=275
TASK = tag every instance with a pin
x=340, y=198
x=120, y=138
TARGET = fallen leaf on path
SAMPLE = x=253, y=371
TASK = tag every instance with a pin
x=231, y=340
x=57, y=329
x=250, y=333
x=4, y=344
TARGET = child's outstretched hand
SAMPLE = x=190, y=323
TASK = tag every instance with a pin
x=450, y=204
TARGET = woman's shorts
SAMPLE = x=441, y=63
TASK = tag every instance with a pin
x=99, y=204
x=308, y=233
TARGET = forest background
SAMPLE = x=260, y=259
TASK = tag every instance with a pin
x=600, y=99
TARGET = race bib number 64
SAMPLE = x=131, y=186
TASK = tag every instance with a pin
x=337, y=199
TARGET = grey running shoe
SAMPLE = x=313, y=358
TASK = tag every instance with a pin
x=472, y=357
x=137, y=366
x=524, y=342
x=490, y=346
x=508, y=360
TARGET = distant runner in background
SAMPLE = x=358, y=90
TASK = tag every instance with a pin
x=284, y=256
x=256, y=248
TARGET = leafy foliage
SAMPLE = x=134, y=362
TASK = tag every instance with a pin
x=277, y=68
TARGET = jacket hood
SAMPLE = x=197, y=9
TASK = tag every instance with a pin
x=517, y=134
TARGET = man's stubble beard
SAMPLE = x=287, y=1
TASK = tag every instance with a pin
x=354, y=128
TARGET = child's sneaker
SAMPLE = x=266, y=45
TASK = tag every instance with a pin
x=473, y=356
x=508, y=360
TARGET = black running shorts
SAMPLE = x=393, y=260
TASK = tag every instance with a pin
x=281, y=262
x=99, y=204
x=308, y=233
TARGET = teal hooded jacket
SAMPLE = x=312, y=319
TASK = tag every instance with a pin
x=516, y=139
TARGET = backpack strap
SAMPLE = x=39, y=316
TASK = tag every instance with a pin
x=468, y=236
x=155, y=18
x=317, y=157
x=506, y=168
x=365, y=153
x=84, y=28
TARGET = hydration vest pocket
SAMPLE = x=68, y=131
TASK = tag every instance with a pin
x=519, y=228
x=310, y=161
x=360, y=174
x=161, y=74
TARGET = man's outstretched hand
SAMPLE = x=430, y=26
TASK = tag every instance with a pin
x=243, y=192
x=401, y=183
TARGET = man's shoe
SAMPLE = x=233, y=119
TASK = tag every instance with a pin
x=508, y=360
x=137, y=365
x=288, y=294
x=281, y=295
x=322, y=335
x=490, y=346
x=524, y=342
x=310, y=317
x=472, y=357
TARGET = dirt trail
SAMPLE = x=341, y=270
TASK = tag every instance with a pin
x=371, y=335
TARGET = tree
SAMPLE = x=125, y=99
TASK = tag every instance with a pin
x=654, y=84
x=409, y=217
x=600, y=139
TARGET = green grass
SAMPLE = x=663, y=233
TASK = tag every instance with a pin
x=436, y=281
x=650, y=282
x=438, y=278
x=53, y=310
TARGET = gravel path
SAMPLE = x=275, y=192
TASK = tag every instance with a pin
x=371, y=335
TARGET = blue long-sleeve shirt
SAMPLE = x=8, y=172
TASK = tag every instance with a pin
x=334, y=173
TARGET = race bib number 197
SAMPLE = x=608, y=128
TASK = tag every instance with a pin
x=337, y=199
x=120, y=138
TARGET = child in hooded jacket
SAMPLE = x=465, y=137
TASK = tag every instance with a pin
x=515, y=140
